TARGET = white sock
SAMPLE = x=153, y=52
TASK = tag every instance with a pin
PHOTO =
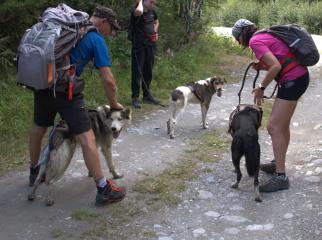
x=101, y=182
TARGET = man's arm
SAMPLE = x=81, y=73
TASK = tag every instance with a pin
x=138, y=11
x=110, y=87
x=156, y=25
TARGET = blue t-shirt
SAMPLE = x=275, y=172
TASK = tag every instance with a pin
x=92, y=47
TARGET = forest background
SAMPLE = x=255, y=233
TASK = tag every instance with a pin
x=188, y=50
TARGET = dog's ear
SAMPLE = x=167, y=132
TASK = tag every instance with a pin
x=126, y=114
x=93, y=116
x=106, y=108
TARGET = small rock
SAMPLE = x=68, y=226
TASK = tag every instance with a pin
x=313, y=179
x=212, y=214
x=288, y=215
x=198, y=232
x=232, y=231
x=205, y=194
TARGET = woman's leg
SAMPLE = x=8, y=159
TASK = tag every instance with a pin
x=279, y=130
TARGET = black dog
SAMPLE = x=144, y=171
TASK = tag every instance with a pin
x=244, y=124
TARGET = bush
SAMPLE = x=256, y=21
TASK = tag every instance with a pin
x=312, y=17
x=233, y=10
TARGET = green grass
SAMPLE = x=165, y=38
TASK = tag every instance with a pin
x=164, y=188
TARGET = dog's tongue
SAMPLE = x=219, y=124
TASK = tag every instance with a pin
x=116, y=134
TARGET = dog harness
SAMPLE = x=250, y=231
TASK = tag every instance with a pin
x=240, y=108
x=197, y=88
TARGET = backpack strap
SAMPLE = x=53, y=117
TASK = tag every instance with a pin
x=288, y=63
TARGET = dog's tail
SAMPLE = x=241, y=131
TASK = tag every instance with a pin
x=252, y=156
x=176, y=94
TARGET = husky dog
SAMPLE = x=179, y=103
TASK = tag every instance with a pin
x=199, y=92
x=57, y=154
x=244, y=123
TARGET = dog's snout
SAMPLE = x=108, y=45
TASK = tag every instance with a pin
x=113, y=129
x=219, y=92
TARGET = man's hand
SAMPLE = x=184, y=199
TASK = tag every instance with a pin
x=117, y=106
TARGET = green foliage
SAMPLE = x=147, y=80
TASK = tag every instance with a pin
x=267, y=13
x=231, y=11
x=312, y=17
x=6, y=54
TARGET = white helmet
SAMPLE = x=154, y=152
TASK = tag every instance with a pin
x=239, y=26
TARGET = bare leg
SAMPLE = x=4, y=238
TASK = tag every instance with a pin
x=278, y=129
x=88, y=144
x=35, y=139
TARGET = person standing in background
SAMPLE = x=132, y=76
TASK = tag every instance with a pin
x=143, y=30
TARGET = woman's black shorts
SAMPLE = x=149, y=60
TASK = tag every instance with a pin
x=293, y=90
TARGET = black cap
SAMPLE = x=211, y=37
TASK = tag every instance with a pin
x=108, y=14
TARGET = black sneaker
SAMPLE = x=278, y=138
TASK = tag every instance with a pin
x=276, y=183
x=109, y=194
x=136, y=103
x=269, y=167
x=151, y=100
x=34, y=171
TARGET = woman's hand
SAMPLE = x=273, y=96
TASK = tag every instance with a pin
x=260, y=66
x=258, y=96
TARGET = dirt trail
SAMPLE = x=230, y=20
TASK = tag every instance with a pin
x=210, y=208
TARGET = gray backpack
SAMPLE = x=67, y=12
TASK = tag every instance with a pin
x=299, y=40
x=43, y=52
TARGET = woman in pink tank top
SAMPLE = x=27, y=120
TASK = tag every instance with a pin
x=271, y=53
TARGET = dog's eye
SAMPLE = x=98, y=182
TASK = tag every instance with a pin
x=119, y=119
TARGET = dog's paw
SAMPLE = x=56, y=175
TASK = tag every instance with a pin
x=205, y=126
x=235, y=185
x=50, y=202
x=258, y=199
x=117, y=175
x=171, y=136
x=31, y=197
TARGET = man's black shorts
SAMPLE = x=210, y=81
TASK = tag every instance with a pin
x=46, y=106
x=293, y=90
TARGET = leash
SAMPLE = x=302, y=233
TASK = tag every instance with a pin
x=244, y=78
x=45, y=153
x=254, y=83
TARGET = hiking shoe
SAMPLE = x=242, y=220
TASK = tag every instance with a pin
x=109, y=194
x=276, y=183
x=136, y=103
x=151, y=100
x=269, y=167
x=34, y=171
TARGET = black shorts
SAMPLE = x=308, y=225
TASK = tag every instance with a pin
x=293, y=90
x=46, y=106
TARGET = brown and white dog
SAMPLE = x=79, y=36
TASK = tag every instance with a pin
x=107, y=125
x=199, y=92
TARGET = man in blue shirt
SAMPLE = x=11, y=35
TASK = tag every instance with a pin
x=92, y=47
